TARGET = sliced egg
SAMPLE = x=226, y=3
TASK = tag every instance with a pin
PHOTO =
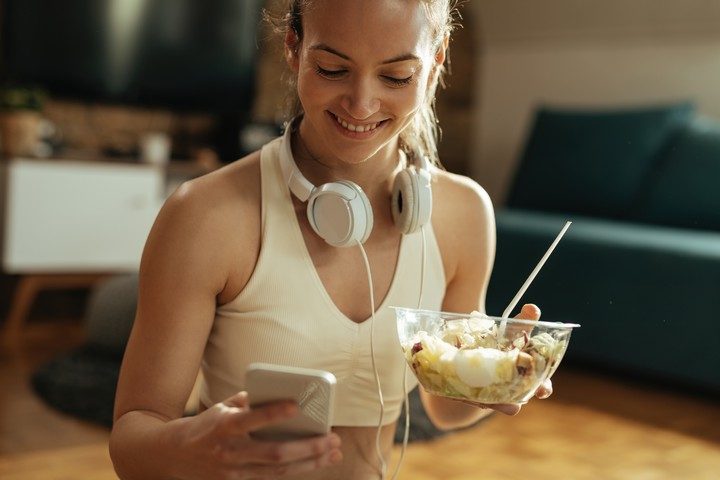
x=480, y=367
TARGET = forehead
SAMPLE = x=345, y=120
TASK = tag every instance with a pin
x=361, y=28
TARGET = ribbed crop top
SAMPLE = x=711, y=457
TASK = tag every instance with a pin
x=285, y=316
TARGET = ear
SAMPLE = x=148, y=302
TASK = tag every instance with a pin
x=292, y=49
x=440, y=57
x=441, y=51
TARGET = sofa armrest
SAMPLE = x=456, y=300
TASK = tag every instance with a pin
x=647, y=297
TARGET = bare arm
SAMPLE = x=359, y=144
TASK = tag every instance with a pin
x=186, y=265
x=466, y=211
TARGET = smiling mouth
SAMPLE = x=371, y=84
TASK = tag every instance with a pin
x=357, y=128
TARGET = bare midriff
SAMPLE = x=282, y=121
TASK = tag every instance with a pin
x=360, y=460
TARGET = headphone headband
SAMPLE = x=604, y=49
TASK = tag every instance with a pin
x=296, y=181
x=340, y=212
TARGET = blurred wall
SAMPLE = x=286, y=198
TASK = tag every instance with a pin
x=92, y=130
x=583, y=53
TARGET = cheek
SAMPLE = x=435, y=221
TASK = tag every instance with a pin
x=416, y=93
x=414, y=96
x=404, y=100
x=313, y=90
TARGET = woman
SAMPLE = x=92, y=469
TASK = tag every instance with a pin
x=234, y=272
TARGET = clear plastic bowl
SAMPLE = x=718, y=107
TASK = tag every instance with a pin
x=480, y=358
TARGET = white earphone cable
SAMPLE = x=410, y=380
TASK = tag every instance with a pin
x=378, y=450
x=406, y=434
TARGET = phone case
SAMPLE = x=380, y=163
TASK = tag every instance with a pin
x=313, y=390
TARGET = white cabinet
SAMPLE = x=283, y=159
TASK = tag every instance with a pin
x=76, y=217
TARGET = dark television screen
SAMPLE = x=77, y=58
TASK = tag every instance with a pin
x=190, y=55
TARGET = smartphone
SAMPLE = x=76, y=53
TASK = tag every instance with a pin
x=313, y=390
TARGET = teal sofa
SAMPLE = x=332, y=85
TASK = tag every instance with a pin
x=640, y=267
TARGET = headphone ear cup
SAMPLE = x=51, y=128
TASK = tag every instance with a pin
x=340, y=213
x=403, y=202
x=411, y=200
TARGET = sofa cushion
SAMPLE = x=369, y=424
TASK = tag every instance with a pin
x=645, y=295
x=682, y=190
x=592, y=162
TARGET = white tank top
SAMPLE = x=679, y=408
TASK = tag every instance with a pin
x=285, y=316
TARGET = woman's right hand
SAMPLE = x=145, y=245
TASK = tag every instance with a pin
x=219, y=445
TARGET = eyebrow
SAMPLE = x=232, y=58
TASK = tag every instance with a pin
x=400, y=58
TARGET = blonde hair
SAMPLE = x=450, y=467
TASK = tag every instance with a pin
x=423, y=133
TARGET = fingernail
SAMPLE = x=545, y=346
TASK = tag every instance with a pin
x=335, y=456
x=334, y=441
x=290, y=409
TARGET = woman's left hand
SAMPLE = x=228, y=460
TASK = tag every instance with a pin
x=543, y=391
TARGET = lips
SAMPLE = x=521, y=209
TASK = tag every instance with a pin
x=351, y=127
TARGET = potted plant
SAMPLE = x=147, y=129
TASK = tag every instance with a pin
x=20, y=119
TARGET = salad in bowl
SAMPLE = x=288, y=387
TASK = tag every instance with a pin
x=481, y=358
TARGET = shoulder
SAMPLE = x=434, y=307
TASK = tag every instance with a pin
x=235, y=185
x=214, y=200
x=464, y=225
x=209, y=218
x=462, y=209
x=452, y=188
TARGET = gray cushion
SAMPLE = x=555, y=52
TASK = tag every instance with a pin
x=111, y=312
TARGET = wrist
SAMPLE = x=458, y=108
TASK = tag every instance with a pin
x=173, y=452
x=145, y=446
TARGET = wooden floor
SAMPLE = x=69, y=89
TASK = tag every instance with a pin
x=594, y=427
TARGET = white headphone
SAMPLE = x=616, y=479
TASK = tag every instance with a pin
x=340, y=212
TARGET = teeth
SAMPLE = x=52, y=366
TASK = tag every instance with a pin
x=356, y=128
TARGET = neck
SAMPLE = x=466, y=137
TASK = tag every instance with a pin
x=306, y=153
x=374, y=174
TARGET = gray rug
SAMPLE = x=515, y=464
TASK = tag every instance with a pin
x=81, y=384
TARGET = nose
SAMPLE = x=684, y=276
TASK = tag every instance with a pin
x=361, y=100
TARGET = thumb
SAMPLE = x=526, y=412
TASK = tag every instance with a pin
x=529, y=311
x=239, y=400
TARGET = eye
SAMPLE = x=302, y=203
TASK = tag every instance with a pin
x=398, y=82
x=331, y=74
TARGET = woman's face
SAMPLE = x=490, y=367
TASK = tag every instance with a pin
x=362, y=72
